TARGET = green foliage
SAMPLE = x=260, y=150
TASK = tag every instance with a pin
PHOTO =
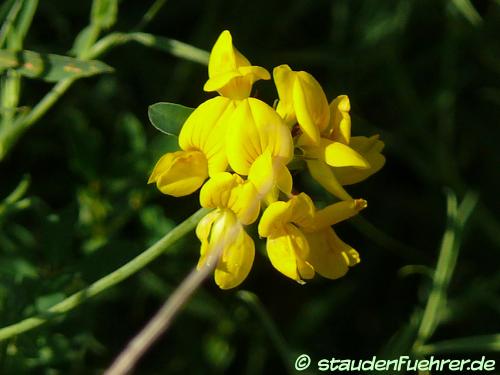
x=104, y=13
x=168, y=117
x=49, y=67
x=76, y=150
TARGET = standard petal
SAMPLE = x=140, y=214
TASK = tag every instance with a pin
x=230, y=73
x=329, y=255
x=370, y=149
x=323, y=174
x=340, y=155
x=255, y=128
x=205, y=130
x=340, y=120
x=180, y=173
x=311, y=106
x=236, y=262
x=337, y=212
x=284, y=79
x=287, y=253
x=224, y=57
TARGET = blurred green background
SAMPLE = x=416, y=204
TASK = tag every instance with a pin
x=424, y=74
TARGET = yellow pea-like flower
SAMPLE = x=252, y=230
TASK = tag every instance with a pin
x=259, y=145
x=236, y=204
x=300, y=240
x=333, y=157
x=302, y=101
x=230, y=73
x=203, y=150
x=244, y=147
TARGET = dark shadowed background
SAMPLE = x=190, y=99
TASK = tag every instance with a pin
x=424, y=74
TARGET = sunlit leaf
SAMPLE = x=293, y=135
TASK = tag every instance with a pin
x=49, y=67
x=168, y=117
x=104, y=13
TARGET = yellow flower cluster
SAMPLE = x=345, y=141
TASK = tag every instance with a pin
x=243, y=147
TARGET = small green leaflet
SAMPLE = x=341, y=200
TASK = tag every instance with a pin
x=168, y=117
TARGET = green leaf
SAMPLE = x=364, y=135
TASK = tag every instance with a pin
x=49, y=67
x=104, y=13
x=22, y=25
x=168, y=117
x=84, y=40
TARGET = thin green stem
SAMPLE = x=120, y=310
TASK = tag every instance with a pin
x=11, y=134
x=174, y=47
x=11, y=16
x=150, y=14
x=450, y=245
x=46, y=103
x=115, y=277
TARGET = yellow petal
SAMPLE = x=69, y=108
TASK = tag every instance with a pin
x=217, y=190
x=180, y=173
x=329, y=255
x=230, y=73
x=370, y=149
x=302, y=210
x=340, y=155
x=225, y=229
x=226, y=190
x=203, y=230
x=235, y=262
x=311, y=106
x=274, y=219
x=284, y=79
x=245, y=202
x=299, y=210
x=340, y=120
x=205, y=130
x=224, y=57
x=287, y=253
x=220, y=80
x=323, y=174
x=269, y=175
x=302, y=100
x=338, y=212
x=256, y=128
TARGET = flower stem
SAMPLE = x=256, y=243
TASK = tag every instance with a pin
x=107, y=281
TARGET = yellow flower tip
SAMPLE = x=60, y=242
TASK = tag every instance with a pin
x=180, y=173
x=339, y=128
x=230, y=73
x=342, y=103
x=302, y=100
x=352, y=257
x=360, y=204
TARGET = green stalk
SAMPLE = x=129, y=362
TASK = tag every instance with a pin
x=115, y=277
